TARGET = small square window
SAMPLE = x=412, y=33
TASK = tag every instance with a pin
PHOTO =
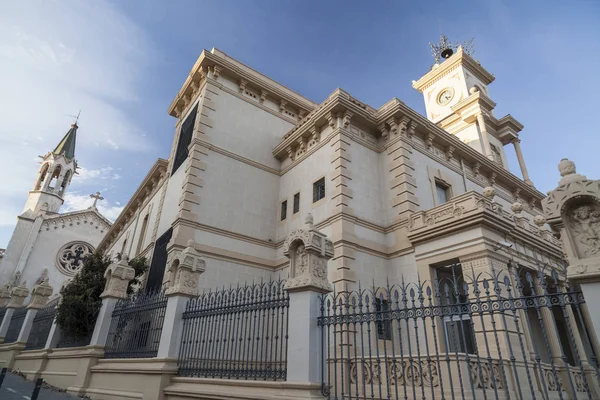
x=296, y=202
x=283, y=210
x=441, y=193
x=319, y=190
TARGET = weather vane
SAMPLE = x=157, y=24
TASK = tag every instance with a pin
x=444, y=48
x=76, y=117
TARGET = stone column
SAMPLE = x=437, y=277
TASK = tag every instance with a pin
x=308, y=251
x=117, y=275
x=18, y=295
x=487, y=149
x=573, y=210
x=184, y=268
x=39, y=297
x=517, y=144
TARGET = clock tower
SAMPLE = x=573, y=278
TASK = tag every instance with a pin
x=457, y=99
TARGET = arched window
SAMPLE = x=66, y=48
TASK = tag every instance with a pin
x=54, y=178
x=42, y=176
x=65, y=182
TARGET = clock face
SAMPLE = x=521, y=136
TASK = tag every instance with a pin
x=445, y=96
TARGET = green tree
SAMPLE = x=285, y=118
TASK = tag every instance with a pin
x=80, y=303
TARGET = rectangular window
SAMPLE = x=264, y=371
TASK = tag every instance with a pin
x=185, y=138
x=458, y=331
x=319, y=190
x=384, y=324
x=441, y=192
x=296, y=202
x=283, y=210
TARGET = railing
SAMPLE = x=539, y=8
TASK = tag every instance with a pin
x=42, y=323
x=237, y=333
x=511, y=335
x=2, y=313
x=16, y=322
x=136, y=326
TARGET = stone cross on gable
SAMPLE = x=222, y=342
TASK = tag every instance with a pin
x=96, y=196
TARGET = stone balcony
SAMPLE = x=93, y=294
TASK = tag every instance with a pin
x=472, y=209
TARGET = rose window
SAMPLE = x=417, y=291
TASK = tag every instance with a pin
x=70, y=257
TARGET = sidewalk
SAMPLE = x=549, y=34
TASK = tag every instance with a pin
x=16, y=388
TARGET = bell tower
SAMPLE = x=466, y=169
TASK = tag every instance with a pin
x=456, y=97
x=55, y=174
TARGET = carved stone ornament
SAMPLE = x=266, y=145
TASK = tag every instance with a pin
x=18, y=294
x=308, y=251
x=573, y=210
x=489, y=192
x=70, y=257
x=4, y=295
x=184, y=270
x=40, y=294
x=117, y=275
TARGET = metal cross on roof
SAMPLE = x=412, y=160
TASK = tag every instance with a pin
x=96, y=196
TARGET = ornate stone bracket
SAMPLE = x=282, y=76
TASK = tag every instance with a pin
x=117, y=275
x=18, y=294
x=308, y=251
x=184, y=269
x=40, y=294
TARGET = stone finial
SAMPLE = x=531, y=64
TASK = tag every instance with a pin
x=568, y=172
x=117, y=275
x=489, y=193
x=184, y=270
x=40, y=294
x=539, y=220
x=18, y=294
x=309, y=221
x=517, y=207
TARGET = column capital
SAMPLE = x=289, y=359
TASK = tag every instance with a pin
x=308, y=251
x=515, y=141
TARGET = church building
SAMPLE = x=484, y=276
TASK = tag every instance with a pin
x=45, y=242
x=398, y=193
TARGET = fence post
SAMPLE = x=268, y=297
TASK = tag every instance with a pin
x=39, y=297
x=308, y=251
x=18, y=294
x=184, y=269
x=117, y=275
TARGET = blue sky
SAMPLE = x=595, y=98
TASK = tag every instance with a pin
x=122, y=62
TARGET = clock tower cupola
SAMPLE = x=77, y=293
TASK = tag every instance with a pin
x=456, y=97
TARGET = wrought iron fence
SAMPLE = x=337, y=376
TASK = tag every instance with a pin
x=16, y=322
x=515, y=334
x=237, y=333
x=2, y=313
x=42, y=323
x=136, y=326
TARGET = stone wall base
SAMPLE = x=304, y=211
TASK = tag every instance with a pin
x=32, y=363
x=225, y=389
x=8, y=352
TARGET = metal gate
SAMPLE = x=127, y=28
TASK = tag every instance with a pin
x=516, y=334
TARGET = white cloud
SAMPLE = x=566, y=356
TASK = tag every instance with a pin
x=77, y=202
x=56, y=58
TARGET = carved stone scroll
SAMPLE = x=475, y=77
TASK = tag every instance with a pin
x=308, y=251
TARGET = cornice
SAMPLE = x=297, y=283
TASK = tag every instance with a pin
x=150, y=184
x=208, y=60
x=447, y=66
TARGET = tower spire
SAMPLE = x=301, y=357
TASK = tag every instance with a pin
x=66, y=147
